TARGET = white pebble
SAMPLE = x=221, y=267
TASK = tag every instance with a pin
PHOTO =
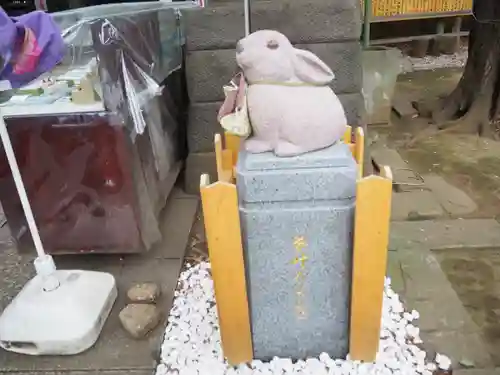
x=192, y=344
x=443, y=362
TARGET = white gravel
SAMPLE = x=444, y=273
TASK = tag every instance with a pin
x=192, y=341
x=457, y=60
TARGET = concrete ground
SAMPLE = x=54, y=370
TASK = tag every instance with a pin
x=115, y=353
x=445, y=236
x=444, y=253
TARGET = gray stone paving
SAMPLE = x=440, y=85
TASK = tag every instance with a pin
x=477, y=372
x=414, y=269
x=454, y=200
x=115, y=353
x=420, y=197
x=445, y=234
x=445, y=324
x=415, y=205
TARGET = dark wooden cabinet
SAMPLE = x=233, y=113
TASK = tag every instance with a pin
x=94, y=184
x=77, y=173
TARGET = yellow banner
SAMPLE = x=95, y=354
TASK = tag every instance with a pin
x=387, y=8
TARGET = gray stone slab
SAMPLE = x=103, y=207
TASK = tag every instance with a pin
x=309, y=21
x=442, y=316
x=424, y=278
x=415, y=205
x=402, y=105
x=335, y=156
x=6, y=241
x=196, y=165
x=305, y=202
x=354, y=107
x=489, y=371
x=457, y=345
x=324, y=175
x=203, y=125
x=344, y=58
x=312, y=21
x=454, y=200
x=404, y=177
x=181, y=194
x=114, y=350
x=395, y=272
x=445, y=234
x=215, y=27
x=178, y=218
x=209, y=70
x=428, y=291
x=15, y=271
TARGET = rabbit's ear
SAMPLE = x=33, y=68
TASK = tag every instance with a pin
x=310, y=69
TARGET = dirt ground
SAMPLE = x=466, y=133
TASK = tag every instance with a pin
x=469, y=162
x=475, y=276
x=197, y=249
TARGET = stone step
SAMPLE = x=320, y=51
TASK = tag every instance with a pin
x=456, y=202
x=203, y=125
x=415, y=205
x=405, y=179
x=209, y=70
x=445, y=234
x=221, y=25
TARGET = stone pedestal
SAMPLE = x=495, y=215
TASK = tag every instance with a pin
x=297, y=222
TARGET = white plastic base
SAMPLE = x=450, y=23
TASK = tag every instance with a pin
x=64, y=321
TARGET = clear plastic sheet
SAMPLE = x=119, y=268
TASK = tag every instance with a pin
x=97, y=175
x=381, y=67
x=138, y=45
x=76, y=170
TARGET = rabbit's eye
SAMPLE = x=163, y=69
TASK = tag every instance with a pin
x=272, y=44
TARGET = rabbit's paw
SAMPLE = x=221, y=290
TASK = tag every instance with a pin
x=287, y=149
x=257, y=146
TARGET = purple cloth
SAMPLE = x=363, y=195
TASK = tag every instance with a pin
x=30, y=46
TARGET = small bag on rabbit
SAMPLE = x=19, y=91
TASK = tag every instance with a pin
x=233, y=114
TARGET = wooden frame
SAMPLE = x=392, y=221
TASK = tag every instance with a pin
x=371, y=236
x=222, y=224
x=226, y=155
x=222, y=227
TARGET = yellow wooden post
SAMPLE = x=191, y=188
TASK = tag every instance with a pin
x=359, y=153
x=348, y=135
x=222, y=226
x=347, y=138
x=223, y=160
x=232, y=143
x=371, y=236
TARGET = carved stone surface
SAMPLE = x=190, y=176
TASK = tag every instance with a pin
x=297, y=221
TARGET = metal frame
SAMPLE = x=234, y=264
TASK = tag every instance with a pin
x=368, y=19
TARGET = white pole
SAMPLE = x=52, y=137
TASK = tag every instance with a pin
x=16, y=174
x=247, y=16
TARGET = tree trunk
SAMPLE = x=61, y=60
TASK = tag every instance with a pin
x=474, y=105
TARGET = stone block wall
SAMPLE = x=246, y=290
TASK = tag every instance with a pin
x=330, y=29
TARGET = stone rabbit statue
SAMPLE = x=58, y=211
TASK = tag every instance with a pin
x=291, y=107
